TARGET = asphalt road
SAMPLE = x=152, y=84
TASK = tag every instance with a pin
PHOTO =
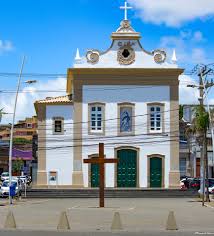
x=146, y=233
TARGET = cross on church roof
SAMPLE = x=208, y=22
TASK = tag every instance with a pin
x=125, y=8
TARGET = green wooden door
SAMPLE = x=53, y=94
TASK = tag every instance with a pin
x=127, y=168
x=155, y=172
x=95, y=174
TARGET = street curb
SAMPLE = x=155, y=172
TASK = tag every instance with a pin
x=209, y=206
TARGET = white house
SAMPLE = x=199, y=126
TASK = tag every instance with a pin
x=126, y=98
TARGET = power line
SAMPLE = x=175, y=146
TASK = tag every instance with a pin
x=104, y=138
x=85, y=132
x=49, y=127
x=114, y=129
x=113, y=143
x=63, y=149
x=120, y=87
x=110, y=119
x=48, y=75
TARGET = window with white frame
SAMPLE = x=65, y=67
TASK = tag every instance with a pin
x=155, y=119
x=96, y=118
x=58, y=125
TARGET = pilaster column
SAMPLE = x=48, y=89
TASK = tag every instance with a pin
x=77, y=174
x=41, y=172
x=174, y=174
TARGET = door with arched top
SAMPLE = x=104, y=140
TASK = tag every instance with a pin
x=156, y=174
x=127, y=168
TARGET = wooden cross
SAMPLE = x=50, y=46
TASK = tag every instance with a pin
x=101, y=161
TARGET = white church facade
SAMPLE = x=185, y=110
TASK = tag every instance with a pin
x=126, y=98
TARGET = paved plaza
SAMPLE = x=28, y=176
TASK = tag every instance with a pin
x=137, y=215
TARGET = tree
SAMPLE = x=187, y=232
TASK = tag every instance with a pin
x=200, y=125
x=18, y=165
x=22, y=141
x=1, y=113
x=181, y=112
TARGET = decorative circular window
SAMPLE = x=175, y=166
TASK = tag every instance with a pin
x=159, y=56
x=93, y=56
x=126, y=55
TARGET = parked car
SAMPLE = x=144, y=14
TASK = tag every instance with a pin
x=195, y=184
x=182, y=184
x=4, y=191
x=211, y=182
x=185, y=183
x=210, y=189
x=4, y=176
x=185, y=177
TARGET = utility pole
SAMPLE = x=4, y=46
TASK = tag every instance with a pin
x=206, y=86
x=203, y=136
x=202, y=88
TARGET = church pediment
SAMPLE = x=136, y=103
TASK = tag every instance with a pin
x=125, y=51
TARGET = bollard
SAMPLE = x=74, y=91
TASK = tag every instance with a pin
x=116, y=222
x=10, y=222
x=171, y=222
x=63, y=222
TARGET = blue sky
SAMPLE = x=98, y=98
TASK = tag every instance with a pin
x=48, y=32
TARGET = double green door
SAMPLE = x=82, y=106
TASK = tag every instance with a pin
x=127, y=168
x=155, y=172
x=95, y=175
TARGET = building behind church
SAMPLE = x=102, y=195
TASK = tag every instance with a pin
x=190, y=151
x=125, y=97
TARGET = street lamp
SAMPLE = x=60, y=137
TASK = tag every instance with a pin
x=12, y=126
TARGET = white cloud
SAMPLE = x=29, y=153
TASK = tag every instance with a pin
x=27, y=97
x=198, y=55
x=169, y=43
x=5, y=46
x=187, y=95
x=190, y=95
x=173, y=12
x=187, y=45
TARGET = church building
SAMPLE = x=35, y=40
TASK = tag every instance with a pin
x=125, y=97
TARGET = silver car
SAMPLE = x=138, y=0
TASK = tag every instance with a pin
x=4, y=191
x=4, y=176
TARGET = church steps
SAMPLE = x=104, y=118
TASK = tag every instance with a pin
x=110, y=193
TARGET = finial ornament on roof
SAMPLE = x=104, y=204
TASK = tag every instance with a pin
x=174, y=58
x=125, y=8
x=77, y=55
